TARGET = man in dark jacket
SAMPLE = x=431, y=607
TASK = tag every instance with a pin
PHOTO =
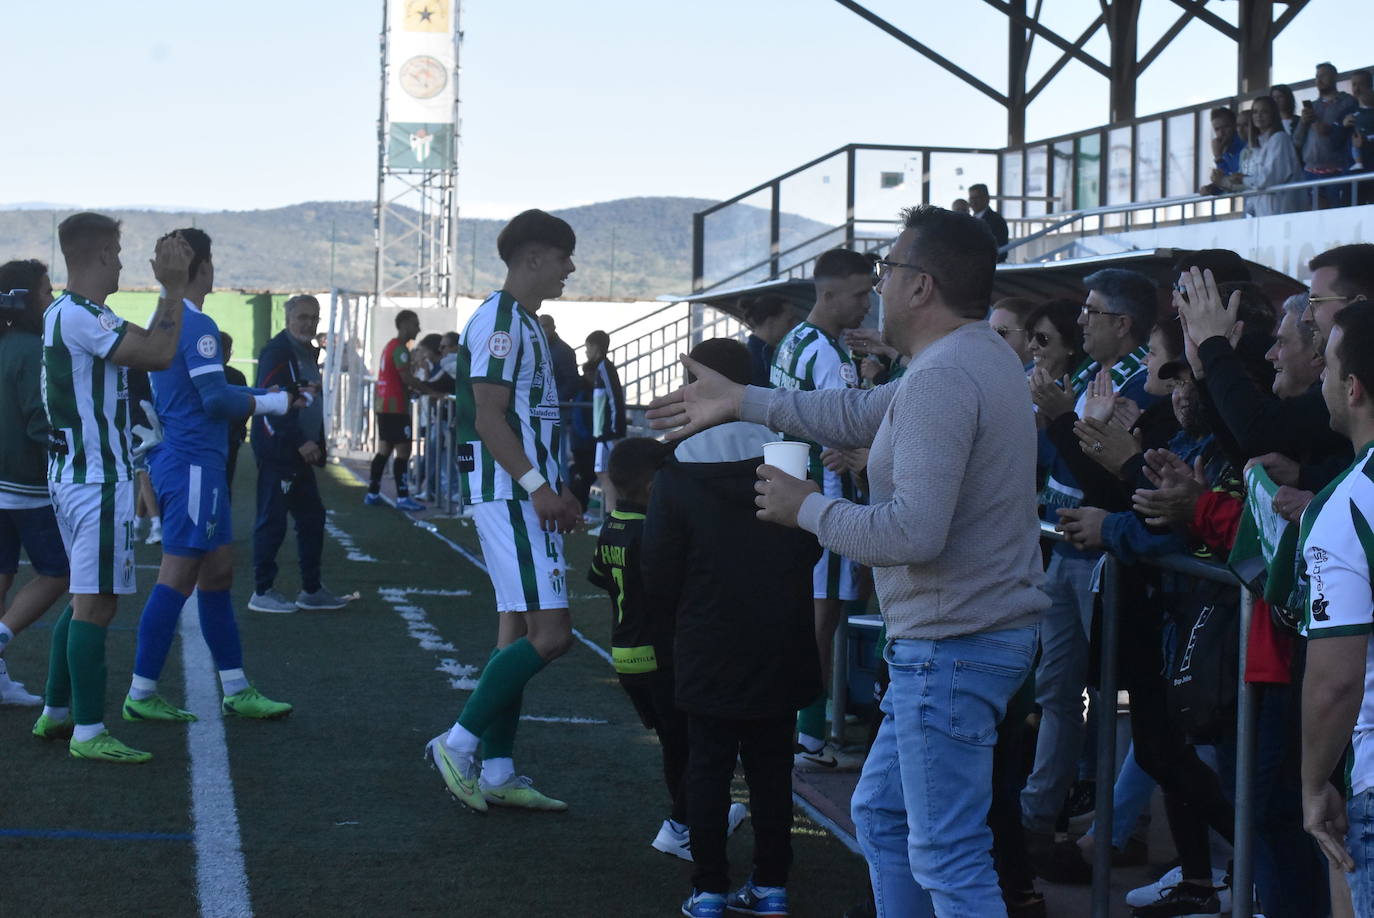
x=287, y=449
x=238, y=429
x=608, y=410
x=744, y=644
x=980, y=206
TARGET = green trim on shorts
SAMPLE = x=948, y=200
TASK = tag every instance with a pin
x=524, y=554
x=107, y=537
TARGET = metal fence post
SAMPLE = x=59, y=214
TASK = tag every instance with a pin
x=1106, y=743
x=1242, y=884
x=839, y=679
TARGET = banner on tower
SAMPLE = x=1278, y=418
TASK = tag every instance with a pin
x=419, y=86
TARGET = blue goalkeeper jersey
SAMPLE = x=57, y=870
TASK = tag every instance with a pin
x=193, y=401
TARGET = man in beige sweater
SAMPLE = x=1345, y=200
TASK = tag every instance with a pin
x=952, y=536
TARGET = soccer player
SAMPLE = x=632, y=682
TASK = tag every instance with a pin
x=1337, y=545
x=85, y=350
x=811, y=357
x=395, y=381
x=195, y=406
x=508, y=406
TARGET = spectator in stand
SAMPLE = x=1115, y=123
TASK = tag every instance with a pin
x=396, y=381
x=769, y=317
x=1056, y=338
x=1272, y=160
x=960, y=206
x=608, y=411
x=444, y=378
x=979, y=205
x=1227, y=146
x=1338, y=687
x=27, y=519
x=724, y=580
x=1283, y=97
x=1361, y=81
x=238, y=428
x=1116, y=320
x=288, y=449
x=1323, y=137
x=1009, y=319
x=1361, y=125
x=952, y=515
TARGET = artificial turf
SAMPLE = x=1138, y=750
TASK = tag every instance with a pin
x=338, y=812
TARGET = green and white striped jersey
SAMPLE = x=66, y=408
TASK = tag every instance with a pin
x=85, y=395
x=1337, y=542
x=806, y=359
x=503, y=344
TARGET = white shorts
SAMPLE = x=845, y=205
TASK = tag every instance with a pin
x=835, y=576
x=603, y=456
x=526, y=566
x=97, y=526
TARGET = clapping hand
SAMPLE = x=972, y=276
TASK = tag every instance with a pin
x=1176, y=492
x=1100, y=404
x=1200, y=305
x=1049, y=397
x=1106, y=442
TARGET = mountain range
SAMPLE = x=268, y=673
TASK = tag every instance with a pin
x=633, y=248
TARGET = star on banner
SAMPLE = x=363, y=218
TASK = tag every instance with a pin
x=426, y=16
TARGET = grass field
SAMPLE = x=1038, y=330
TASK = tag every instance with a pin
x=338, y=813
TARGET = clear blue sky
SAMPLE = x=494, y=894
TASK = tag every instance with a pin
x=258, y=104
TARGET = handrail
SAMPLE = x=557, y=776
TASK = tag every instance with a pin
x=1242, y=871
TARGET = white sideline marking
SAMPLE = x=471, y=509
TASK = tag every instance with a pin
x=221, y=881
x=346, y=541
x=480, y=565
x=562, y=720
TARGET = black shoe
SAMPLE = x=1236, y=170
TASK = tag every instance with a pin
x=1182, y=901
x=1064, y=864
x=1082, y=800
x=1028, y=904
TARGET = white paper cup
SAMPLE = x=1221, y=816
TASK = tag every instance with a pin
x=789, y=455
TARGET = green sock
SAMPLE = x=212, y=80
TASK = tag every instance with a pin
x=86, y=658
x=811, y=719
x=59, y=691
x=501, y=686
x=499, y=740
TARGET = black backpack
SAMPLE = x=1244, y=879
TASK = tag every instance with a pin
x=1201, y=679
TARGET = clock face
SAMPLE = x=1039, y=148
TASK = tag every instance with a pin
x=423, y=77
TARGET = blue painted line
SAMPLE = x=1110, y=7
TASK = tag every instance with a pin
x=86, y=834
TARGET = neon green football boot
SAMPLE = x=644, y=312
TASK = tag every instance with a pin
x=459, y=777
x=45, y=728
x=519, y=791
x=105, y=748
x=251, y=703
x=155, y=707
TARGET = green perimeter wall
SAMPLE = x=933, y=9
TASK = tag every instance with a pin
x=250, y=318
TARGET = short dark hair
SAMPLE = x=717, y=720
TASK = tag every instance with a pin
x=1354, y=266
x=535, y=227
x=601, y=339
x=404, y=315
x=77, y=234
x=978, y=186
x=433, y=341
x=959, y=252
x=1356, y=348
x=1222, y=111
x=1368, y=75
x=1128, y=293
x=1019, y=306
x=842, y=263
x=762, y=308
x=1328, y=65
x=199, y=241
x=23, y=274
x=226, y=341
x=634, y=461
x=727, y=357
x=451, y=337
x=1063, y=315
x=1226, y=266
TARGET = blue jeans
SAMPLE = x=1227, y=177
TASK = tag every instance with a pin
x=921, y=805
x=1360, y=840
x=1059, y=681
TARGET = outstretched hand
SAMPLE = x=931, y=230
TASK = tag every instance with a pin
x=171, y=262
x=1201, y=306
x=712, y=399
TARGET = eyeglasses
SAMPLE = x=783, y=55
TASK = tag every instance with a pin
x=882, y=266
x=1315, y=300
x=1040, y=339
x=1003, y=332
x=1089, y=311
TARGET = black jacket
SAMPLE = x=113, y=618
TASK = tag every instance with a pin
x=998, y=226
x=279, y=439
x=744, y=643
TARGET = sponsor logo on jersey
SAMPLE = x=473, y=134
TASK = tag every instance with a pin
x=500, y=345
x=847, y=373
x=206, y=346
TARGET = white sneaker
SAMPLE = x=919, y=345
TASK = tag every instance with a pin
x=12, y=692
x=271, y=601
x=1147, y=895
x=154, y=531
x=679, y=844
x=827, y=758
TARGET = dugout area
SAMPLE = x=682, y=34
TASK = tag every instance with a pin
x=338, y=812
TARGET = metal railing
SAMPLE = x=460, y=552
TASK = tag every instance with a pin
x=1242, y=882
x=433, y=469
x=348, y=387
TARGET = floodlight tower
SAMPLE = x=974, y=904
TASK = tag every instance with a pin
x=416, y=218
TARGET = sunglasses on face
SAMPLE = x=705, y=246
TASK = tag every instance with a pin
x=1040, y=339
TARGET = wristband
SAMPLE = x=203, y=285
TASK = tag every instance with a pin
x=532, y=481
x=275, y=403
